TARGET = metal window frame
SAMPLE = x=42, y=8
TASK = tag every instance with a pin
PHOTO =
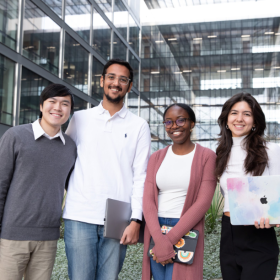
x=20, y=60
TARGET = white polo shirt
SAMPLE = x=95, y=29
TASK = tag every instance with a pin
x=113, y=153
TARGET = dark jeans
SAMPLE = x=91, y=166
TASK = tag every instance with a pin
x=247, y=253
x=159, y=271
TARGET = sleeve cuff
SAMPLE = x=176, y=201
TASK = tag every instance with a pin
x=136, y=214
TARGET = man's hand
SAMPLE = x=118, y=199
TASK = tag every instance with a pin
x=131, y=234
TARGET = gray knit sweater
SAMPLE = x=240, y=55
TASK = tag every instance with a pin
x=33, y=175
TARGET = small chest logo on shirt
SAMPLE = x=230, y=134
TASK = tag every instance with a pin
x=125, y=135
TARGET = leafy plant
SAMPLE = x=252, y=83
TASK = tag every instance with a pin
x=215, y=211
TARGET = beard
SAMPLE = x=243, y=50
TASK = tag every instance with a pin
x=115, y=100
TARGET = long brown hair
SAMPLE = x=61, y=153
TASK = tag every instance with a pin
x=255, y=144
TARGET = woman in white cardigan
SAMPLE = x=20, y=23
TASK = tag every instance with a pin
x=247, y=252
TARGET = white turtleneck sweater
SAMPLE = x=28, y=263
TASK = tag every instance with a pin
x=235, y=166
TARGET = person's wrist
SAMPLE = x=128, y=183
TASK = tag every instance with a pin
x=136, y=221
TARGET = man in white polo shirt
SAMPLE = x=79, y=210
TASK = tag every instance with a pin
x=113, y=148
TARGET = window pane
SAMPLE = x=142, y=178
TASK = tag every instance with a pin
x=40, y=38
x=75, y=64
x=119, y=49
x=97, y=68
x=31, y=87
x=8, y=22
x=77, y=16
x=135, y=66
x=79, y=104
x=121, y=18
x=101, y=36
x=7, y=76
x=132, y=102
x=134, y=35
x=55, y=5
x=106, y=7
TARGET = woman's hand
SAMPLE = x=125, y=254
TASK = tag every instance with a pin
x=167, y=261
x=164, y=262
x=264, y=223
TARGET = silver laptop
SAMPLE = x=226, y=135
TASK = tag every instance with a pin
x=253, y=198
x=117, y=218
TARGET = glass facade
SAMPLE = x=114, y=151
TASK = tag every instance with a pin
x=40, y=38
x=75, y=64
x=135, y=66
x=133, y=103
x=64, y=42
x=31, y=87
x=55, y=5
x=204, y=64
x=97, y=68
x=121, y=18
x=106, y=7
x=101, y=35
x=119, y=48
x=134, y=33
x=201, y=64
x=78, y=17
x=9, y=23
x=7, y=77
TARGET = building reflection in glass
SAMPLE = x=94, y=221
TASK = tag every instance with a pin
x=133, y=102
x=203, y=65
x=135, y=66
x=101, y=36
x=7, y=76
x=9, y=23
x=119, y=49
x=121, y=18
x=40, y=38
x=75, y=64
x=134, y=32
x=55, y=5
x=77, y=16
x=106, y=7
x=97, y=90
x=31, y=87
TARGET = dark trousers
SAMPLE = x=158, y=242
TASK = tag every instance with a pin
x=247, y=253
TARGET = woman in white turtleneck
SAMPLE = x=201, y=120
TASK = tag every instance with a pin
x=247, y=252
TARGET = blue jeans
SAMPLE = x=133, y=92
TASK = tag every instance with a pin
x=90, y=255
x=163, y=272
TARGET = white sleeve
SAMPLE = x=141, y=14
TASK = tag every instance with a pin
x=139, y=167
x=72, y=129
x=273, y=153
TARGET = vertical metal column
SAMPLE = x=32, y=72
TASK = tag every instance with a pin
x=112, y=32
x=62, y=43
x=90, y=60
x=18, y=66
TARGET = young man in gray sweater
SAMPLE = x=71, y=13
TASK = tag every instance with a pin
x=36, y=162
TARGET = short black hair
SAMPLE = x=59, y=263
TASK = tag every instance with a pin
x=186, y=107
x=53, y=90
x=120, y=62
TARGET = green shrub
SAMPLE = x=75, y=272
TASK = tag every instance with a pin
x=215, y=211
